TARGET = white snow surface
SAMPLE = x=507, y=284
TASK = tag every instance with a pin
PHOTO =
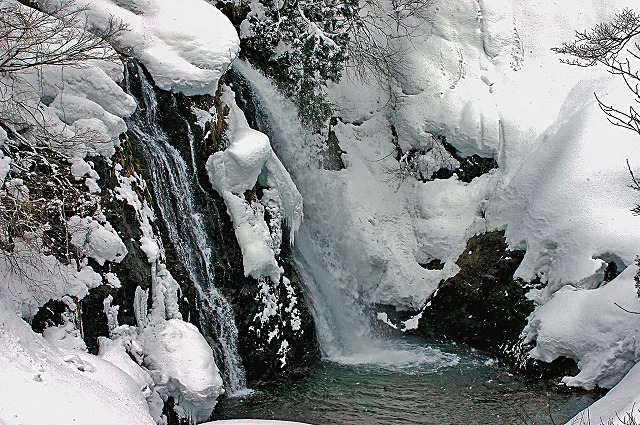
x=618, y=407
x=591, y=327
x=236, y=170
x=186, y=45
x=482, y=74
x=181, y=363
x=98, y=241
x=77, y=388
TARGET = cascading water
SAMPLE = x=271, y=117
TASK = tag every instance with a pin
x=173, y=184
x=344, y=328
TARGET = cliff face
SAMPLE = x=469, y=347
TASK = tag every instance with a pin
x=259, y=343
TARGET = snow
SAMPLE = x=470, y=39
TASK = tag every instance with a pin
x=181, y=363
x=619, y=406
x=247, y=160
x=37, y=278
x=186, y=45
x=77, y=388
x=591, y=327
x=98, y=241
x=80, y=108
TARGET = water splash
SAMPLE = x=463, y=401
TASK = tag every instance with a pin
x=173, y=184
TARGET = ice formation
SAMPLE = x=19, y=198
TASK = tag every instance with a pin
x=247, y=160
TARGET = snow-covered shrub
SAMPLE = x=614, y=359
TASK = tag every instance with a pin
x=34, y=46
x=301, y=45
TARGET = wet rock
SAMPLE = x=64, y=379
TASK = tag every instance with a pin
x=260, y=345
x=482, y=306
x=48, y=315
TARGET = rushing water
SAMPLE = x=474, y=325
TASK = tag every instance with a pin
x=465, y=388
x=173, y=185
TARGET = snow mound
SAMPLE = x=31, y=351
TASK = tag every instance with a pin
x=36, y=370
x=619, y=406
x=570, y=204
x=591, y=327
x=98, y=241
x=186, y=45
x=39, y=278
x=182, y=365
x=247, y=160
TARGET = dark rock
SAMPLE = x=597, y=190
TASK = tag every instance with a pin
x=48, y=315
x=94, y=321
x=470, y=166
x=433, y=265
x=134, y=270
x=482, y=306
x=331, y=154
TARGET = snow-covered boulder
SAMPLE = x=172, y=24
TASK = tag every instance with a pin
x=182, y=366
x=98, y=241
x=592, y=327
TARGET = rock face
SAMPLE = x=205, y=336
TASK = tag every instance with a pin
x=483, y=305
x=260, y=345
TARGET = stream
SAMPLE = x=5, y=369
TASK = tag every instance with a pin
x=458, y=386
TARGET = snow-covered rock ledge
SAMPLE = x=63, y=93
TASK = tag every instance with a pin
x=185, y=45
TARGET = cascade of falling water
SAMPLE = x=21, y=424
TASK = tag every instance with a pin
x=343, y=323
x=173, y=186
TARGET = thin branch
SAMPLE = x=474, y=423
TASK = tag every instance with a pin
x=625, y=310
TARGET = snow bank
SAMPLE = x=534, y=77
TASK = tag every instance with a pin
x=591, y=327
x=80, y=108
x=482, y=74
x=569, y=205
x=247, y=160
x=39, y=278
x=186, y=45
x=36, y=370
x=619, y=406
x=181, y=363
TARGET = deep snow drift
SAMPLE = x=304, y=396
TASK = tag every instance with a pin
x=186, y=45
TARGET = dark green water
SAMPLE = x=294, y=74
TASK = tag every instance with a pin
x=448, y=386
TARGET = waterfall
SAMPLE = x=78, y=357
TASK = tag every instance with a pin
x=173, y=184
x=344, y=327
